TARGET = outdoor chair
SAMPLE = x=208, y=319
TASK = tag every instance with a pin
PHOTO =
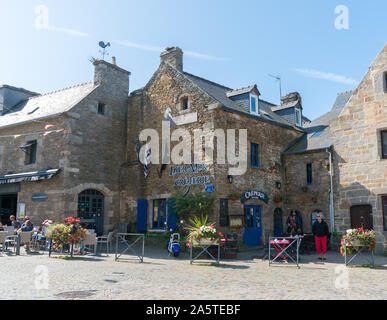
x=25, y=237
x=3, y=238
x=106, y=239
x=11, y=238
x=91, y=240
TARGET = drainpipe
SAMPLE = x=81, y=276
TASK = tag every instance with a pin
x=331, y=210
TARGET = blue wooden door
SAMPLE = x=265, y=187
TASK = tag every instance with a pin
x=252, y=235
x=142, y=215
x=172, y=216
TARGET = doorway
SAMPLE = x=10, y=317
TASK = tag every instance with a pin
x=8, y=207
x=91, y=205
x=252, y=235
x=361, y=216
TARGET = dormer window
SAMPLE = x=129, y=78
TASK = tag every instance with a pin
x=184, y=103
x=254, y=104
x=298, y=117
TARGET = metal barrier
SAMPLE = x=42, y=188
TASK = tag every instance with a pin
x=285, y=247
x=359, y=249
x=122, y=238
x=205, y=246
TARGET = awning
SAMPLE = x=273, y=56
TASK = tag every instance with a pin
x=29, y=176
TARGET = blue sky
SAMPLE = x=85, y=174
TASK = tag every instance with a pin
x=235, y=43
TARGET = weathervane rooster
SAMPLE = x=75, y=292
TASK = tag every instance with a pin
x=104, y=45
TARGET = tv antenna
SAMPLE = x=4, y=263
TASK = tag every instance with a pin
x=103, y=45
x=278, y=78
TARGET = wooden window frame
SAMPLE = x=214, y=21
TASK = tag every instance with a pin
x=384, y=151
x=31, y=152
x=184, y=103
x=101, y=106
x=158, y=214
x=254, y=155
x=384, y=212
x=309, y=174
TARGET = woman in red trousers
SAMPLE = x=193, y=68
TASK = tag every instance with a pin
x=321, y=232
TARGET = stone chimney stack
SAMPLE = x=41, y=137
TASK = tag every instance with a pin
x=292, y=97
x=114, y=61
x=174, y=56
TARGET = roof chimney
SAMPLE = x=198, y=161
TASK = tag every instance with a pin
x=174, y=56
x=292, y=97
x=114, y=62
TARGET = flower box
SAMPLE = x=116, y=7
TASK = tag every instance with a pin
x=205, y=242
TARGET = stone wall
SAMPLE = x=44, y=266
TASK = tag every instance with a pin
x=317, y=196
x=360, y=171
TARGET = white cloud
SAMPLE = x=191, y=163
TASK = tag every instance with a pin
x=160, y=49
x=327, y=76
x=70, y=31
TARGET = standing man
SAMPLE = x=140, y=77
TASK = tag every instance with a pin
x=321, y=232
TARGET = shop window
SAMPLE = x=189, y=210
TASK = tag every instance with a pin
x=184, y=103
x=384, y=144
x=309, y=174
x=30, y=150
x=159, y=208
x=254, y=155
x=101, y=108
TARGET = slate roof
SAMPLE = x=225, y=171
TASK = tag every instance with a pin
x=318, y=134
x=219, y=93
x=240, y=91
x=46, y=105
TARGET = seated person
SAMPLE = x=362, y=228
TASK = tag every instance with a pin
x=27, y=227
x=1, y=227
x=293, y=224
x=15, y=223
x=25, y=220
x=41, y=236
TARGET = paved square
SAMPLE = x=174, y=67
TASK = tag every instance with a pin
x=163, y=277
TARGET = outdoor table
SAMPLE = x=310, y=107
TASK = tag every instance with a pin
x=122, y=238
x=359, y=250
x=283, y=245
x=205, y=245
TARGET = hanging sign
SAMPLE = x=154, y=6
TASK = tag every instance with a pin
x=254, y=194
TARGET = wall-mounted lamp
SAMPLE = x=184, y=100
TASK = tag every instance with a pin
x=278, y=185
x=230, y=179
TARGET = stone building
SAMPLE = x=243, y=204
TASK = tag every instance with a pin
x=61, y=153
x=197, y=103
x=77, y=152
x=359, y=137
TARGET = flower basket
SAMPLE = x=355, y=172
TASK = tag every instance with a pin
x=203, y=235
x=278, y=198
x=357, y=238
x=234, y=195
x=304, y=189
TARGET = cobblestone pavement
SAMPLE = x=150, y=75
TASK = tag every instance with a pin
x=163, y=277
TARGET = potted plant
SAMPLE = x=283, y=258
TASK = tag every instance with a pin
x=275, y=167
x=234, y=195
x=356, y=238
x=278, y=198
x=202, y=233
x=304, y=188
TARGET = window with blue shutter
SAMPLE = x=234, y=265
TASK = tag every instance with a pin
x=142, y=215
x=254, y=155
